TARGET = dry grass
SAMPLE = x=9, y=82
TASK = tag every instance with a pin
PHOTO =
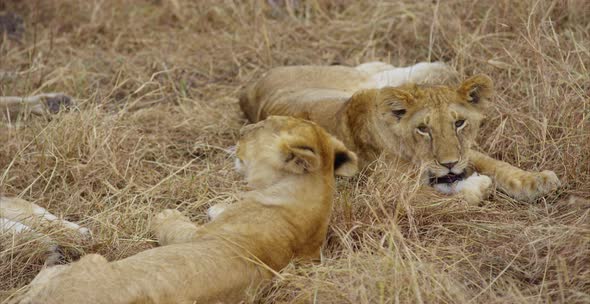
x=158, y=81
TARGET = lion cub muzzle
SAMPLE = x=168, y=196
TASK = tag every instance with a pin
x=447, y=179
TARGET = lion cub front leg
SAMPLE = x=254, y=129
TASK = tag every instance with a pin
x=517, y=183
x=172, y=227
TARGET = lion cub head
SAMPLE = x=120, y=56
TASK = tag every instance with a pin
x=432, y=125
x=281, y=146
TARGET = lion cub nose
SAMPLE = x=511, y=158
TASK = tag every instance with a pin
x=449, y=165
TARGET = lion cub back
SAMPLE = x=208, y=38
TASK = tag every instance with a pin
x=292, y=91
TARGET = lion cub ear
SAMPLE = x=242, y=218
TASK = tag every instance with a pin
x=345, y=161
x=477, y=88
x=299, y=158
x=397, y=99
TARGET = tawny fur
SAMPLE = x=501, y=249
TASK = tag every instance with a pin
x=375, y=108
x=289, y=163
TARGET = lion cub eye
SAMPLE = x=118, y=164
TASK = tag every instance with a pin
x=399, y=113
x=422, y=129
x=459, y=123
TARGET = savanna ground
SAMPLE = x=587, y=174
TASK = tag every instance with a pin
x=157, y=85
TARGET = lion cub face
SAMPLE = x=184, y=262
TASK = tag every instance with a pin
x=281, y=146
x=436, y=125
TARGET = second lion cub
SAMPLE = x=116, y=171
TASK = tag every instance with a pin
x=290, y=164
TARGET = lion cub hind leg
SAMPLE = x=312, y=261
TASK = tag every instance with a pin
x=23, y=211
x=18, y=215
x=9, y=225
x=172, y=227
x=54, y=254
x=43, y=214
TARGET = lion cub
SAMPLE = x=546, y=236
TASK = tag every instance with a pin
x=375, y=108
x=289, y=163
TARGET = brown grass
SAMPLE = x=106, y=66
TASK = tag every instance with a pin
x=158, y=80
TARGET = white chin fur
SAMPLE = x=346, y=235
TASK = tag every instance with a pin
x=446, y=188
x=471, y=183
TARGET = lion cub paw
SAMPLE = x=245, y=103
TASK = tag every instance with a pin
x=169, y=215
x=475, y=188
x=529, y=186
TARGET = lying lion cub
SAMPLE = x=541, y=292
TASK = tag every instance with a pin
x=290, y=164
x=375, y=108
